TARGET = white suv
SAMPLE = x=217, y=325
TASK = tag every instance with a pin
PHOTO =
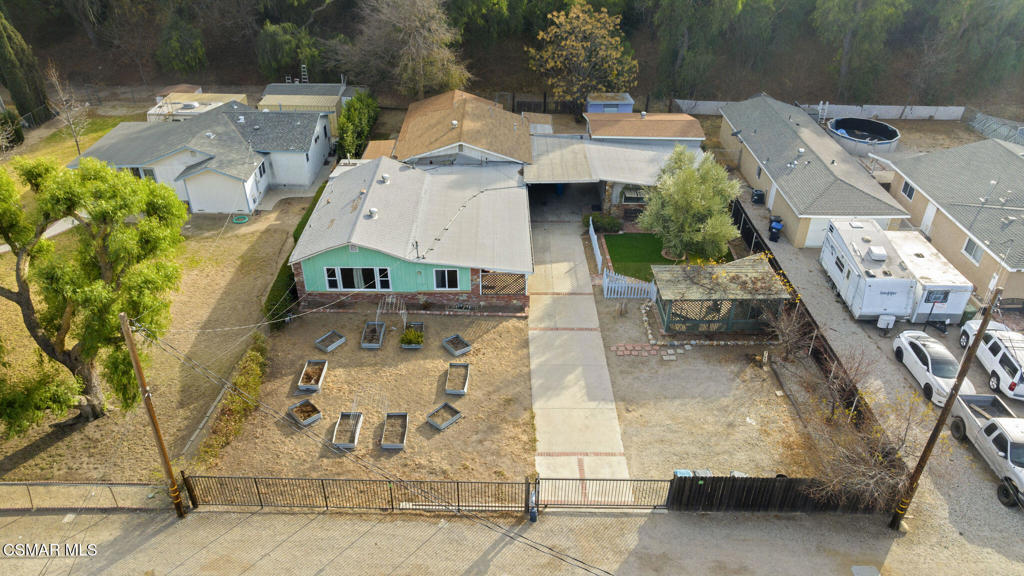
x=1000, y=353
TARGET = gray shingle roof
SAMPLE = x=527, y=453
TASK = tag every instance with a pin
x=293, y=89
x=960, y=180
x=825, y=180
x=467, y=216
x=224, y=144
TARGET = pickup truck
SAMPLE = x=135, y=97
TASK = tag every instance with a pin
x=998, y=435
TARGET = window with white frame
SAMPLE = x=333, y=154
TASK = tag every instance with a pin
x=143, y=173
x=358, y=279
x=972, y=250
x=908, y=190
x=446, y=279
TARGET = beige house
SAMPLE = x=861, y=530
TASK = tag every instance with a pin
x=969, y=201
x=179, y=106
x=808, y=179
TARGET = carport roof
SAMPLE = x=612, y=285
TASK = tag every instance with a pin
x=565, y=160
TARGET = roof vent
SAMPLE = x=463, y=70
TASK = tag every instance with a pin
x=855, y=224
x=257, y=127
x=918, y=255
x=643, y=114
x=385, y=178
x=800, y=150
x=210, y=135
x=877, y=253
x=372, y=214
x=241, y=119
x=455, y=124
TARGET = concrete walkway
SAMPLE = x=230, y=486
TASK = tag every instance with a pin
x=58, y=227
x=578, y=432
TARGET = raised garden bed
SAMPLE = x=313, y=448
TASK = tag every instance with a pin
x=409, y=342
x=456, y=345
x=305, y=412
x=457, y=381
x=373, y=336
x=444, y=416
x=312, y=375
x=328, y=342
x=396, y=424
x=346, y=430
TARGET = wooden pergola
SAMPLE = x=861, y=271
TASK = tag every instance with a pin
x=729, y=297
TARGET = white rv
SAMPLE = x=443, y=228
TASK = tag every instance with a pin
x=866, y=271
x=942, y=292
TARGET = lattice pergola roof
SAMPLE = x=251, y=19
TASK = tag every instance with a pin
x=750, y=278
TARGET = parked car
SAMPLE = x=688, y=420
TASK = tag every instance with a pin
x=999, y=437
x=1001, y=353
x=930, y=364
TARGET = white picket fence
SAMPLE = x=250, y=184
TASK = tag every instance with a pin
x=595, y=245
x=619, y=286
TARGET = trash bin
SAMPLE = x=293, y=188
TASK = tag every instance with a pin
x=775, y=229
x=757, y=196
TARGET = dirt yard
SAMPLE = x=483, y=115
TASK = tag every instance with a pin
x=494, y=440
x=226, y=272
x=712, y=408
x=932, y=135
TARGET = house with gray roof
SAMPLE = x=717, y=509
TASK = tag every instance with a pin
x=223, y=160
x=808, y=178
x=969, y=202
x=431, y=236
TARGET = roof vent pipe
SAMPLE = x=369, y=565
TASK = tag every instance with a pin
x=455, y=124
x=372, y=214
x=643, y=114
x=385, y=178
x=800, y=150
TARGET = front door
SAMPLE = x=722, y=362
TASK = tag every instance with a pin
x=926, y=222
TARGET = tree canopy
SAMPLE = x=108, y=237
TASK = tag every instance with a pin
x=181, y=47
x=123, y=261
x=582, y=52
x=19, y=72
x=689, y=207
x=283, y=48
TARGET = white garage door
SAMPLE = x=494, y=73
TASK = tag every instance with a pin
x=816, y=233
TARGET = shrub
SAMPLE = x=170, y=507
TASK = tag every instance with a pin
x=9, y=118
x=411, y=336
x=603, y=222
x=281, y=297
x=181, y=47
x=355, y=123
x=235, y=408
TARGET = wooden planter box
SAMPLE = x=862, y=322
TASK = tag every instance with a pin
x=304, y=412
x=444, y=416
x=457, y=381
x=328, y=342
x=456, y=345
x=419, y=327
x=312, y=375
x=373, y=336
x=346, y=430
x=396, y=425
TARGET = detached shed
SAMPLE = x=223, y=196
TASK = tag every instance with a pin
x=730, y=297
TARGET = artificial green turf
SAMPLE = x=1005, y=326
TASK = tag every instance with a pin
x=633, y=254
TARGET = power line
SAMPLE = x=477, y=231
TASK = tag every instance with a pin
x=373, y=468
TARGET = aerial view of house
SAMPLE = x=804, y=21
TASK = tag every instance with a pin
x=179, y=106
x=308, y=97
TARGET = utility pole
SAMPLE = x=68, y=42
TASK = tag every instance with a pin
x=164, y=459
x=965, y=365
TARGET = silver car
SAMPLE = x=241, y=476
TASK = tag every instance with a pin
x=931, y=364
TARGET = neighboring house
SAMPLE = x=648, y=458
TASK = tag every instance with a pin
x=605, y=102
x=809, y=179
x=223, y=160
x=438, y=236
x=459, y=128
x=178, y=106
x=680, y=129
x=969, y=201
x=178, y=89
x=296, y=97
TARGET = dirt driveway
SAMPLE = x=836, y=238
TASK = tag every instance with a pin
x=712, y=408
x=494, y=440
x=226, y=272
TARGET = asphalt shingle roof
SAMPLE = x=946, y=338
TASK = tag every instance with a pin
x=960, y=180
x=824, y=180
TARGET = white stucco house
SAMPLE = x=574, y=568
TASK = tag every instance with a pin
x=224, y=160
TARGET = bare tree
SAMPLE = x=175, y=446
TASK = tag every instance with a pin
x=7, y=140
x=72, y=113
x=792, y=330
x=129, y=30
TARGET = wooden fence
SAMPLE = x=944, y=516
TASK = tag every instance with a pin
x=595, y=245
x=619, y=286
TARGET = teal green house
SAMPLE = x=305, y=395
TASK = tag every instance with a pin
x=444, y=236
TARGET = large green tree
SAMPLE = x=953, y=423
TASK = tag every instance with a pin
x=181, y=46
x=19, y=72
x=687, y=30
x=126, y=234
x=858, y=30
x=283, y=48
x=582, y=52
x=689, y=207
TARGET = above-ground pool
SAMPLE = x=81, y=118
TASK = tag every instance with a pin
x=860, y=136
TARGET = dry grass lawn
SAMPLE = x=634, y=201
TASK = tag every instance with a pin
x=932, y=135
x=493, y=441
x=226, y=272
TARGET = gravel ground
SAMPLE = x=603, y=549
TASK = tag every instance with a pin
x=494, y=440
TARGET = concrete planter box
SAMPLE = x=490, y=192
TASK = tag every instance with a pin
x=373, y=336
x=456, y=345
x=419, y=327
x=328, y=342
x=346, y=430
x=304, y=412
x=444, y=416
x=396, y=425
x=312, y=375
x=457, y=381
